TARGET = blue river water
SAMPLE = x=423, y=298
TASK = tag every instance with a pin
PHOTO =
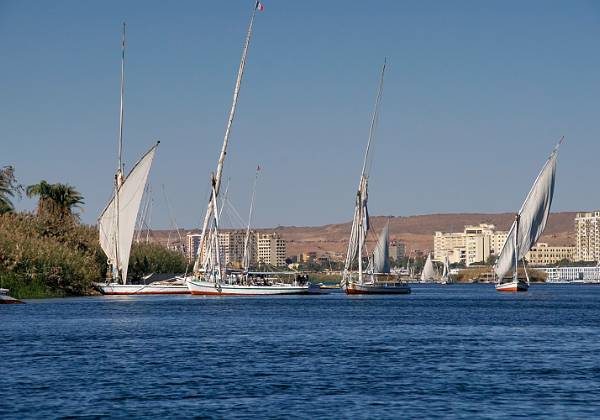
x=459, y=351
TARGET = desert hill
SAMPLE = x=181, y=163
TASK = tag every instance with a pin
x=416, y=231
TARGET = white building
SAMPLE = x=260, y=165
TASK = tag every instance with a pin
x=473, y=245
x=587, y=236
x=572, y=274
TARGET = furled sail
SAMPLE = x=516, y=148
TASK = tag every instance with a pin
x=428, y=271
x=531, y=219
x=381, y=254
x=117, y=227
x=446, y=272
x=359, y=229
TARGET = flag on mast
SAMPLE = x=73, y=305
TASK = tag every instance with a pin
x=259, y=6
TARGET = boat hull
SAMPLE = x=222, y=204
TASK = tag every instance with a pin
x=199, y=287
x=143, y=289
x=513, y=286
x=378, y=289
x=8, y=300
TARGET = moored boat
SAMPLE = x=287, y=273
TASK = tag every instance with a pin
x=267, y=288
x=116, y=224
x=211, y=277
x=377, y=278
x=156, y=288
x=526, y=229
x=5, y=298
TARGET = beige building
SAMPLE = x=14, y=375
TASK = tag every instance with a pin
x=542, y=254
x=397, y=249
x=231, y=247
x=271, y=249
x=193, y=242
x=587, y=236
x=473, y=245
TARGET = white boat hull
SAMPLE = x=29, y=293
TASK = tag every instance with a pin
x=513, y=286
x=200, y=287
x=6, y=299
x=377, y=289
x=143, y=289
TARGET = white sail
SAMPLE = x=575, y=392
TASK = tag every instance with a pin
x=446, y=272
x=116, y=235
x=381, y=254
x=530, y=221
x=428, y=272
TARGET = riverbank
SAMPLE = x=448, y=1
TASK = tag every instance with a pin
x=41, y=257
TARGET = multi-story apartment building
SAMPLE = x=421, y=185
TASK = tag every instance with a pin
x=193, y=242
x=231, y=244
x=397, y=249
x=543, y=254
x=271, y=249
x=473, y=245
x=587, y=236
x=231, y=247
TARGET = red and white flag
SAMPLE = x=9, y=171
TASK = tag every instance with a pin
x=259, y=6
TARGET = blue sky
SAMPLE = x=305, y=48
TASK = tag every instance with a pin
x=476, y=95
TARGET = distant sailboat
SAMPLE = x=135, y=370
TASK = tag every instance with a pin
x=116, y=224
x=446, y=279
x=528, y=226
x=211, y=277
x=377, y=279
x=428, y=273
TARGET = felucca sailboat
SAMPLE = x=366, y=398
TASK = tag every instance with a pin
x=528, y=226
x=116, y=224
x=211, y=277
x=446, y=279
x=376, y=279
x=428, y=273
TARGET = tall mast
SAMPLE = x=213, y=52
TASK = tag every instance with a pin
x=122, y=109
x=374, y=117
x=119, y=177
x=246, y=259
x=216, y=183
x=363, y=177
x=516, y=274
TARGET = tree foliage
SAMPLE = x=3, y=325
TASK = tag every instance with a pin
x=58, y=202
x=9, y=187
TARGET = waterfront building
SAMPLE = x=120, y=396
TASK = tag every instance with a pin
x=271, y=249
x=572, y=274
x=543, y=254
x=475, y=244
x=587, y=236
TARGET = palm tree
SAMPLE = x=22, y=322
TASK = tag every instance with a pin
x=8, y=188
x=56, y=200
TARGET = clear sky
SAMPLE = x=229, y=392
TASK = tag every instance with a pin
x=476, y=95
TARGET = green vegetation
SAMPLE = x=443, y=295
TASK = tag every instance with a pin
x=153, y=258
x=324, y=278
x=470, y=275
x=50, y=253
x=8, y=189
